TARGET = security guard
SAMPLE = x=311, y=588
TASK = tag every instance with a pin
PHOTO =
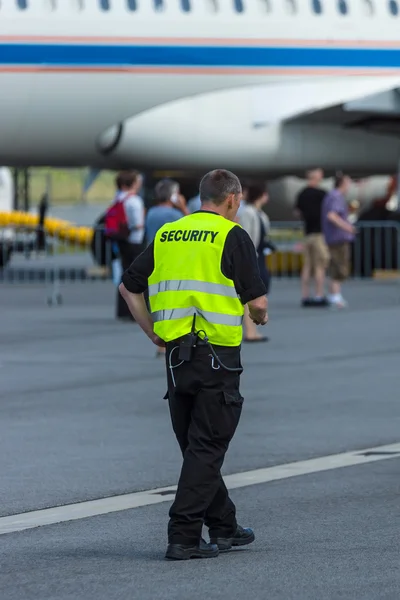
x=200, y=271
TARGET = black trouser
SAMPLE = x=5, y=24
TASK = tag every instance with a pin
x=128, y=253
x=205, y=406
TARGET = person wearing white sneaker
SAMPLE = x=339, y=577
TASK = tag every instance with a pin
x=338, y=233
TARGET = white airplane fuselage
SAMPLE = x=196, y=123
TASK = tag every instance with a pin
x=174, y=89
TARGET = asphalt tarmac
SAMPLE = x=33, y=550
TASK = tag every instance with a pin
x=83, y=418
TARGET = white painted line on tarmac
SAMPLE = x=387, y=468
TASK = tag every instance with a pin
x=102, y=506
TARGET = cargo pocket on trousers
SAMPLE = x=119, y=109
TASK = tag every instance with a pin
x=233, y=397
x=229, y=410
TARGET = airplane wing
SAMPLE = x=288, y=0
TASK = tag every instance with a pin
x=370, y=103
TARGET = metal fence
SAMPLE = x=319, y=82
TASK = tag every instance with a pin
x=376, y=248
x=32, y=256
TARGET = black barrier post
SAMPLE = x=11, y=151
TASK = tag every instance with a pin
x=40, y=231
x=21, y=189
x=15, y=199
x=26, y=176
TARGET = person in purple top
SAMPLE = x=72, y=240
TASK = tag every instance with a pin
x=338, y=233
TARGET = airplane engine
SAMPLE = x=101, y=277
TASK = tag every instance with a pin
x=196, y=134
x=201, y=132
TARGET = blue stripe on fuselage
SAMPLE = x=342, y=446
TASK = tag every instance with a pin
x=175, y=56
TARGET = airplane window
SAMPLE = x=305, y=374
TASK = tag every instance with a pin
x=186, y=5
x=291, y=6
x=22, y=4
x=369, y=8
x=239, y=7
x=394, y=7
x=342, y=6
x=317, y=6
x=131, y=4
x=105, y=4
x=158, y=5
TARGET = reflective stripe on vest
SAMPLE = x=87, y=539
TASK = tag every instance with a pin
x=187, y=285
x=210, y=317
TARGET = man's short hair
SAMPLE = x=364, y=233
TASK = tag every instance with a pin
x=126, y=179
x=339, y=179
x=255, y=192
x=217, y=185
x=164, y=190
x=314, y=172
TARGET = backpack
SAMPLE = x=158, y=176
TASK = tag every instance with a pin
x=115, y=222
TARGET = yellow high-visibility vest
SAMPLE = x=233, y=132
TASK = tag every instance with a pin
x=187, y=280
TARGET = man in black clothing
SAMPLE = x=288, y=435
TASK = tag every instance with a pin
x=203, y=389
x=40, y=229
x=316, y=256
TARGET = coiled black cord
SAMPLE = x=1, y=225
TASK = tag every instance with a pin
x=215, y=355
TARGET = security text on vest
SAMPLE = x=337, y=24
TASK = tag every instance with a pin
x=191, y=235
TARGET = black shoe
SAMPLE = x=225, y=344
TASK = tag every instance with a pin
x=320, y=301
x=200, y=550
x=242, y=537
x=307, y=302
x=314, y=302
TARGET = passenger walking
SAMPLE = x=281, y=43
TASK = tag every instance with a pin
x=130, y=236
x=315, y=255
x=201, y=270
x=254, y=220
x=129, y=184
x=339, y=233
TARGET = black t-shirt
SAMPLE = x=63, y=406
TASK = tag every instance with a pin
x=238, y=262
x=309, y=203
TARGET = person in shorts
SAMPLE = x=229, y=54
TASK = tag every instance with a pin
x=338, y=233
x=315, y=254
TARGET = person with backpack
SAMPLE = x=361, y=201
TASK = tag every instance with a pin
x=124, y=225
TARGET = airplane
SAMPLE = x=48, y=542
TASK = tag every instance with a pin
x=268, y=87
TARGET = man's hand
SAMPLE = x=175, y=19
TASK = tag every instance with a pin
x=138, y=308
x=341, y=223
x=353, y=230
x=256, y=319
x=181, y=205
x=258, y=310
x=157, y=341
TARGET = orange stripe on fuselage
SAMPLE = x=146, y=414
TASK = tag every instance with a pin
x=186, y=41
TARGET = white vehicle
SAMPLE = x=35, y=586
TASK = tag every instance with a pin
x=254, y=85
